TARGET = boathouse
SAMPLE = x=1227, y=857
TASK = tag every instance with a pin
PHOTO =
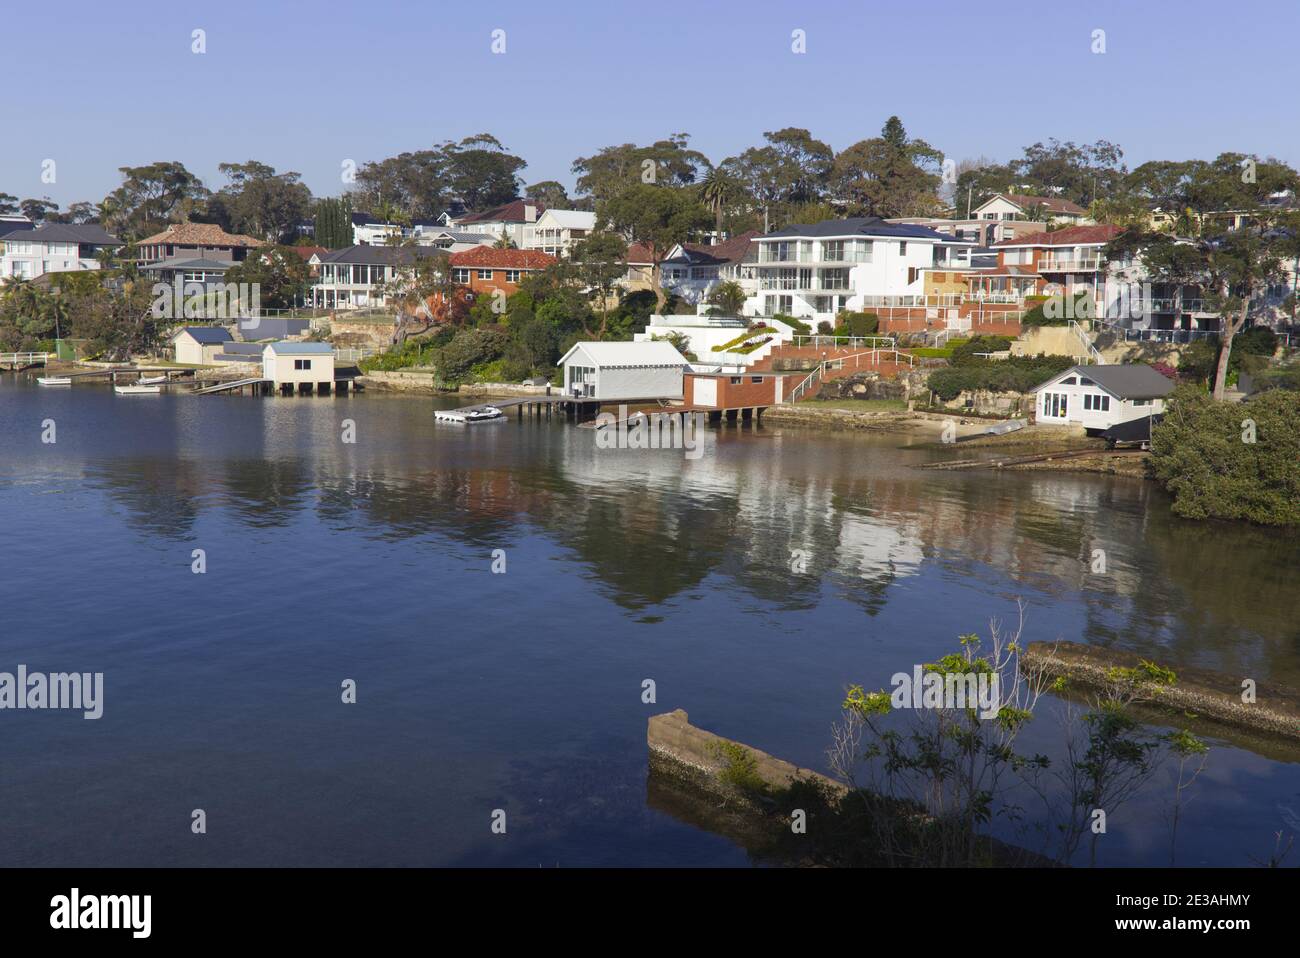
x=199, y=345
x=616, y=371
x=1099, y=397
x=302, y=367
x=732, y=388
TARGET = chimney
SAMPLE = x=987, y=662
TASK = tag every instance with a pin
x=530, y=213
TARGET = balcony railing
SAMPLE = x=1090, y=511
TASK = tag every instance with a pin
x=1089, y=264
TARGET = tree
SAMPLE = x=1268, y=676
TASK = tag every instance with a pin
x=718, y=190
x=262, y=202
x=151, y=196
x=599, y=261
x=668, y=162
x=333, y=226
x=1241, y=240
x=727, y=299
x=39, y=211
x=8, y=204
x=279, y=274
x=477, y=172
x=890, y=175
x=658, y=217
x=550, y=194
x=482, y=173
x=791, y=170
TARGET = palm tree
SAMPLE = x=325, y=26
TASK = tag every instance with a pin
x=717, y=189
x=504, y=242
x=55, y=309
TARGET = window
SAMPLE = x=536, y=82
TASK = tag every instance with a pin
x=460, y=275
x=902, y=249
x=302, y=364
x=1072, y=381
x=512, y=276
x=1142, y=402
x=737, y=380
x=485, y=274
x=1105, y=403
x=755, y=379
x=833, y=251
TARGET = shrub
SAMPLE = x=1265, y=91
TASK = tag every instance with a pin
x=1057, y=312
x=1016, y=374
x=1202, y=454
x=856, y=324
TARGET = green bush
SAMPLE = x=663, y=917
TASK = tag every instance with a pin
x=1056, y=312
x=856, y=324
x=1203, y=455
x=1016, y=374
x=798, y=325
x=964, y=352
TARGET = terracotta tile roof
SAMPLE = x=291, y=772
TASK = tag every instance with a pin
x=638, y=254
x=307, y=252
x=199, y=234
x=729, y=251
x=512, y=212
x=487, y=256
x=1070, y=236
x=1053, y=204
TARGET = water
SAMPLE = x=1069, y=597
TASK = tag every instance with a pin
x=372, y=561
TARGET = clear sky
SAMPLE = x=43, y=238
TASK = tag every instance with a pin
x=307, y=85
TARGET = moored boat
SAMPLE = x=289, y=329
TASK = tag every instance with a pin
x=468, y=417
x=54, y=380
x=137, y=390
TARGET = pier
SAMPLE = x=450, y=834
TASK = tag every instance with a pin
x=16, y=362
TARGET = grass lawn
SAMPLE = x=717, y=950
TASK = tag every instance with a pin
x=855, y=405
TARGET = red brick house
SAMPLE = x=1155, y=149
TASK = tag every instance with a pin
x=485, y=269
x=734, y=390
x=1050, y=262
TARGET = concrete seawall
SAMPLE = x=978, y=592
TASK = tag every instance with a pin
x=1212, y=695
x=698, y=755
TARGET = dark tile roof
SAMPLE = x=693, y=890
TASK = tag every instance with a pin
x=862, y=226
x=1124, y=380
x=378, y=255
x=512, y=212
x=89, y=233
x=209, y=335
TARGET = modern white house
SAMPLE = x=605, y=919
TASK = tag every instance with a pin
x=199, y=345
x=557, y=230
x=1099, y=397
x=53, y=248
x=299, y=364
x=613, y=371
x=814, y=271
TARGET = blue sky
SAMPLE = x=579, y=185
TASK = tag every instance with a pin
x=307, y=85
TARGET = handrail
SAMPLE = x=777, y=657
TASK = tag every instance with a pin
x=1093, y=352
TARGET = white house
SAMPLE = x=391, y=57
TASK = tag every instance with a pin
x=53, y=248
x=299, y=364
x=1019, y=206
x=612, y=371
x=814, y=271
x=557, y=230
x=1099, y=397
x=199, y=345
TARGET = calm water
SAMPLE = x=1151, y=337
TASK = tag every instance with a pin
x=372, y=561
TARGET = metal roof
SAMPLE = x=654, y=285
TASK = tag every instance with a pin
x=1121, y=380
x=208, y=335
x=654, y=353
x=300, y=349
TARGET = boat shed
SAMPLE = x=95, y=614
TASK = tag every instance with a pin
x=303, y=366
x=1099, y=397
x=199, y=345
x=617, y=371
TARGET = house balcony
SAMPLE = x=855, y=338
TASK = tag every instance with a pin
x=1086, y=265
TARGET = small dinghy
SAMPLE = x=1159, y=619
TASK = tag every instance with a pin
x=137, y=390
x=54, y=380
x=151, y=381
x=468, y=417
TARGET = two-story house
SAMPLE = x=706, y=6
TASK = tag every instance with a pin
x=486, y=269
x=1020, y=206
x=556, y=231
x=53, y=248
x=508, y=221
x=1062, y=261
x=815, y=271
x=361, y=276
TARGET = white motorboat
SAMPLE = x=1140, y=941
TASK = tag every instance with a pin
x=151, y=381
x=468, y=417
x=137, y=390
x=54, y=380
